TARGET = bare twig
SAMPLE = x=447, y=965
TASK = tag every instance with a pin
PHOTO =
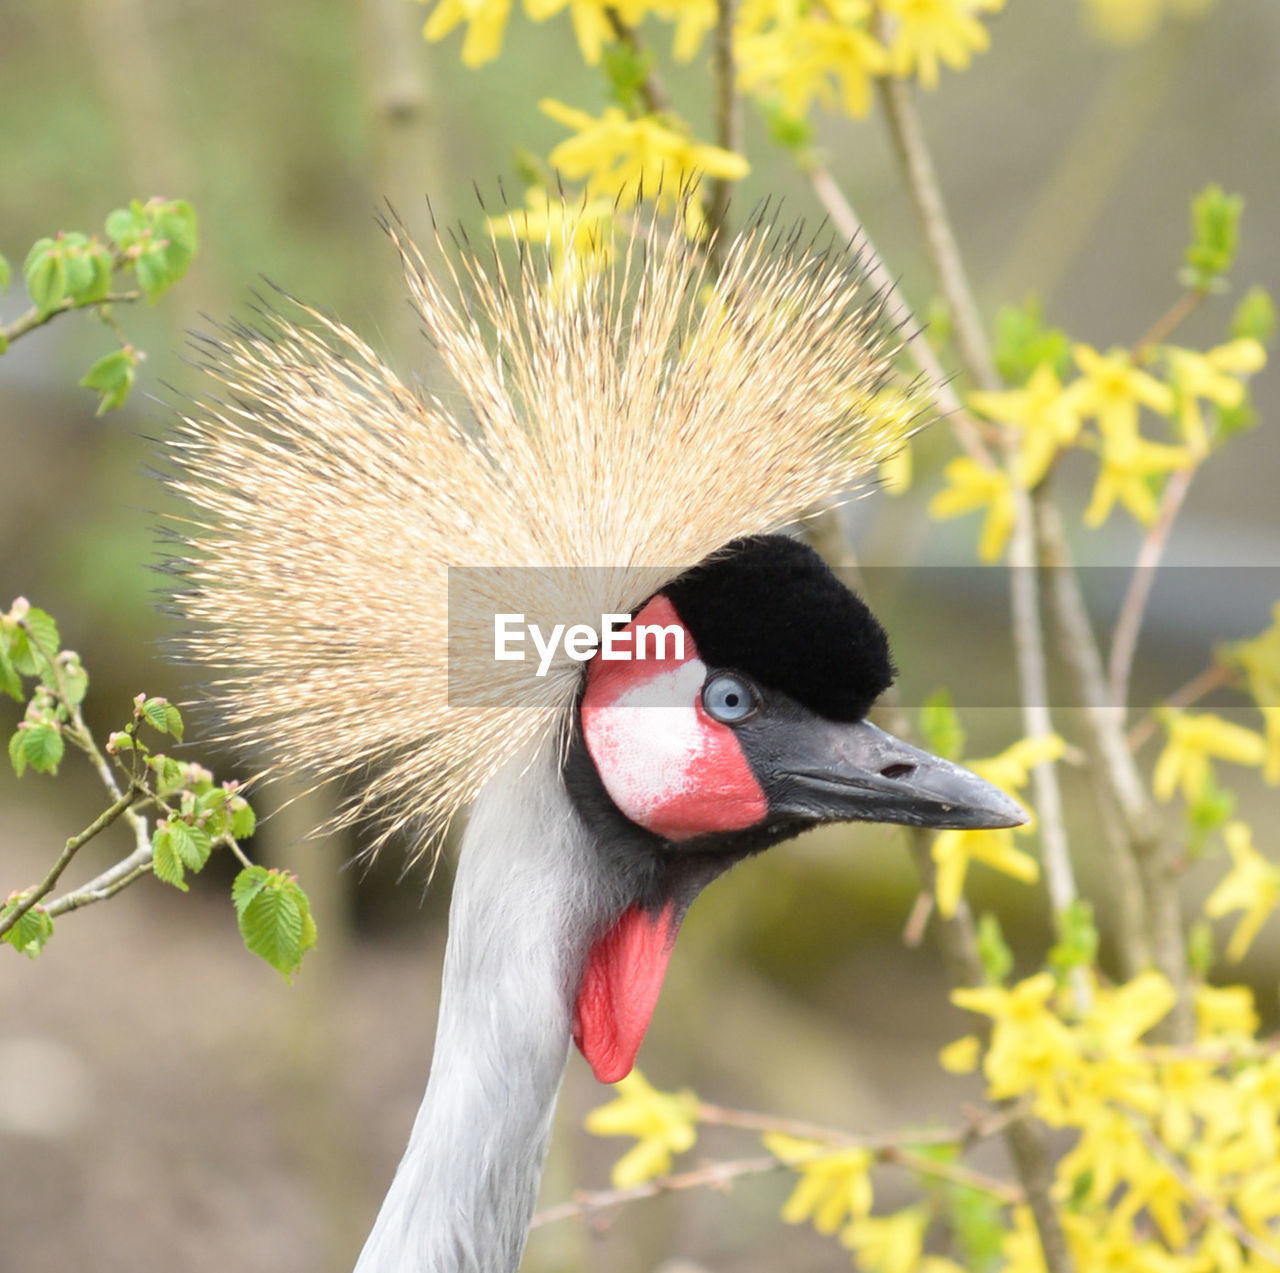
x=898, y=311
x=1169, y=321
x=714, y=1175
x=106, y=885
x=1124, y=637
x=728, y=123
x=652, y=90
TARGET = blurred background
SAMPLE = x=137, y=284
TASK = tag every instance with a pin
x=166, y=1101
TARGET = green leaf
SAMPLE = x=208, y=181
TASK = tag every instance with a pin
x=1255, y=316
x=155, y=711
x=1215, y=221
x=173, y=721
x=99, y=281
x=6, y=273
x=977, y=1220
x=37, y=637
x=940, y=725
x=126, y=225
x=790, y=132
x=1077, y=947
x=1023, y=342
x=191, y=844
x=1200, y=952
x=75, y=680
x=45, y=273
x=76, y=263
x=243, y=819
x=10, y=681
x=31, y=932
x=165, y=860
x=993, y=950
x=1211, y=811
x=168, y=774
x=112, y=377
x=42, y=746
x=175, y=222
x=17, y=755
x=274, y=916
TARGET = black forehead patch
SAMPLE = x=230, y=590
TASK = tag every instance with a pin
x=770, y=607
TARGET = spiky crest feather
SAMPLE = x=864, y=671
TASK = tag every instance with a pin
x=634, y=422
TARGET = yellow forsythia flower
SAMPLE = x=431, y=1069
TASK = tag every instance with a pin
x=578, y=233
x=888, y=1244
x=1193, y=740
x=1217, y=377
x=1252, y=886
x=895, y=472
x=486, y=21
x=665, y=1123
x=805, y=57
x=926, y=32
x=834, y=1183
x=1047, y=418
x=1225, y=1012
x=1128, y=461
x=954, y=850
x=617, y=154
x=1112, y=389
x=961, y=1056
x=972, y=486
x=1260, y=659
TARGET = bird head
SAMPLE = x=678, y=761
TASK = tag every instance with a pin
x=738, y=720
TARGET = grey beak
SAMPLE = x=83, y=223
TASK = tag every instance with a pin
x=841, y=772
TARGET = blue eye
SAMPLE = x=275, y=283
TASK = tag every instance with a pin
x=728, y=698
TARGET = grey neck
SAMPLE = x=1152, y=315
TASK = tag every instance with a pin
x=527, y=899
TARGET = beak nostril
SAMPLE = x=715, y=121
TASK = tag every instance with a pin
x=897, y=771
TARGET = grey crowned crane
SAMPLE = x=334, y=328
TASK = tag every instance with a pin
x=619, y=441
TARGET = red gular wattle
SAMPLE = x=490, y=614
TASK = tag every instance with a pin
x=666, y=764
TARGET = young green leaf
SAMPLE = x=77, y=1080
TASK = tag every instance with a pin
x=45, y=273
x=165, y=861
x=43, y=747
x=940, y=725
x=31, y=932
x=1215, y=220
x=274, y=916
x=36, y=638
x=112, y=377
x=1200, y=952
x=993, y=950
x=1023, y=343
x=155, y=711
x=10, y=681
x=1255, y=317
x=75, y=680
x=6, y=273
x=243, y=818
x=1078, y=945
x=173, y=721
x=191, y=844
x=17, y=753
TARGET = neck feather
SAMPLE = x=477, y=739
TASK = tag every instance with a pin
x=529, y=895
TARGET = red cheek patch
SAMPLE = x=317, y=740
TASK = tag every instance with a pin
x=665, y=763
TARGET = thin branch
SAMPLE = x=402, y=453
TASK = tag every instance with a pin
x=106, y=885
x=728, y=123
x=1169, y=321
x=652, y=90
x=34, y=318
x=69, y=850
x=898, y=311
x=714, y=1175
x=1124, y=638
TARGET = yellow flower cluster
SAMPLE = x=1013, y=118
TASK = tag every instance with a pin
x=664, y=1123
x=1260, y=661
x=1047, y=417
x=1174, y=1165
x=954, y=850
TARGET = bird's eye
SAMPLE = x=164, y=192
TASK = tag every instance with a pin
x=728, y=699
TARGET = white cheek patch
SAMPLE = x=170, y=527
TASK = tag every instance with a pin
x=647, y=742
